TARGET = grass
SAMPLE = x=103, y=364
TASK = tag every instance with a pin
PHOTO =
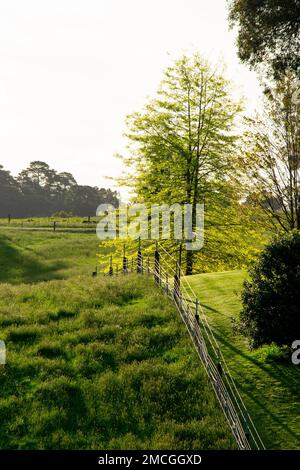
x=269, y=383
x=102, y=364
x=33, y=256
x=94, y=363
x=62, y=223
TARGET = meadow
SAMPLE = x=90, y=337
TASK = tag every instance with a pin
x=47, y=222
x=103, y=363
x=29, y=256
x=95, y=363
x=266, y=377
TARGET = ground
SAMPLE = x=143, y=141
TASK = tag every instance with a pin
x=268, y=381
x=35, y=255
x=95, y=363
x=89, y=359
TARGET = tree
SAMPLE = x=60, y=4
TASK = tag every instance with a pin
x=182, y=143
x=271, y=298
x=10, y=196
x=65, y=181
x=38, y=173
x=268, y=33
x=40, y=191
x=270, y=161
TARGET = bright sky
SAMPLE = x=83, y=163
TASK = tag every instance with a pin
x=70, y=71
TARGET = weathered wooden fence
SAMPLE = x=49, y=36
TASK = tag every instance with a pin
x=177, y=287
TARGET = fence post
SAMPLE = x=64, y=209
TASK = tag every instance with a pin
x=95, y=272
x=54, y=226
x=125, y=261
x=179, y=260
x=177, y=292
x=9, y=218
x=156, y=264
x=111, y=269
x=197, y=312
x=139, y=267
x=219, y=365
x=132, y=265
x=176, y=287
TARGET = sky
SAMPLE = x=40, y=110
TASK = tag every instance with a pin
x=71, y=70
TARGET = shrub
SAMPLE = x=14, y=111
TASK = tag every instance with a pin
x=271, y=298
x=63, y=214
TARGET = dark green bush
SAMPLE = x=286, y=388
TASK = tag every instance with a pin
x=63, y=214
x=271, y=299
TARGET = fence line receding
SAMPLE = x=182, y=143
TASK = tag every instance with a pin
x=167, y=274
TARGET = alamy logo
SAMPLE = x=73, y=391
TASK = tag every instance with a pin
x=181, y=222
x=296, y=353
x=2, y=353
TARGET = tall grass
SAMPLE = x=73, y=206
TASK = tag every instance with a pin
x=33, y=256
x=101, y=364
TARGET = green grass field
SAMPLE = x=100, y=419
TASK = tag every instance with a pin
x=47, y=223
x=32, y=255
x=95, y=363
x=77, y=346
x=269, y=383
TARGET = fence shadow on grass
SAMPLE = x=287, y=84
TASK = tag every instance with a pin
x=285, y=374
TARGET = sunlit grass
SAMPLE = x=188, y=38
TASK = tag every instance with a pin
x=268, y=381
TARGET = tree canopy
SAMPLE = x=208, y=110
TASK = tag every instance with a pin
x=268, y=33
x=183, y=149
x=40, y=191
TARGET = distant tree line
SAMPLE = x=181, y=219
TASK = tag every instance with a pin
x=39, y=191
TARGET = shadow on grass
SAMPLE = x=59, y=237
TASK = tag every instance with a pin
x=207, y=307
x=280, y=423
x=17, y=267
x=286, y=374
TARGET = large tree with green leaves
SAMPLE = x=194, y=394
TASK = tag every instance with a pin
x=182, y=142
x=268, y=33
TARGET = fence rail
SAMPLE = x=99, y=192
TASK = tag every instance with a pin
x=177, y=287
